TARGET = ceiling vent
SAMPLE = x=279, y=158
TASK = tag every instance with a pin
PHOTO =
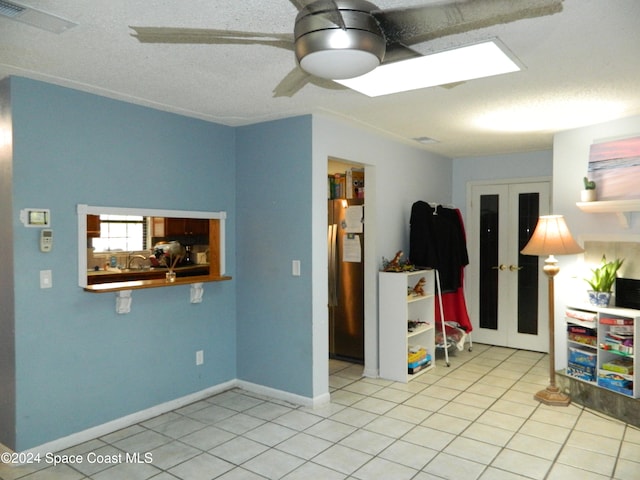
x=35, y=18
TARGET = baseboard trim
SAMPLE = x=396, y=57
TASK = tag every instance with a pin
x=284, y=396
x=143, y=415
x=128, y=420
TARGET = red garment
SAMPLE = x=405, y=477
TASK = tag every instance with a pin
x=454, y=308
x=454, y=305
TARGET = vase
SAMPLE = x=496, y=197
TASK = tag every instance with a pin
x=599, y=299
x=588, y=195
x=170, y=276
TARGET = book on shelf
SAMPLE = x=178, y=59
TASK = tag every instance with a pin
x=580, y=315
x=616, y=321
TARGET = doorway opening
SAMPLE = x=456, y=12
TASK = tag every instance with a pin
x=346, y=260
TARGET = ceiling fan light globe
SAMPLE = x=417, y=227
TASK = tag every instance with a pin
x=339, y=54
x=339, y=64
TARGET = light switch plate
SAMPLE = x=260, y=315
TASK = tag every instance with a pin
x=46, y=279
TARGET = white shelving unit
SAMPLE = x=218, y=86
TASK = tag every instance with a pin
x=398, y=306
x=610, y=361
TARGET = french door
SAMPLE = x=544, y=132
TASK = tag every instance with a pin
x=507, y=291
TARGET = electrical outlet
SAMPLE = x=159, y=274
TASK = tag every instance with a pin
x=295, y=268
x=199, y=357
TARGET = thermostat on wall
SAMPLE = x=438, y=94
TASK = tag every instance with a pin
x=35, y=217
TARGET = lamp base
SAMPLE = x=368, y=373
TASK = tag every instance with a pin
x=553, y=396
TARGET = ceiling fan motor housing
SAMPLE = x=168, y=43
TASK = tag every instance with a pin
x=325, y=49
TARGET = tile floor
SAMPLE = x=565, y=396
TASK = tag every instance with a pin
x=474, y=420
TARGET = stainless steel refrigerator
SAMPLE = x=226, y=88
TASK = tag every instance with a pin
x=346, y=279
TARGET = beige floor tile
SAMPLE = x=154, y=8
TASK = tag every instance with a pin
x=587, y=460
x=545, y=431
x=467, y=412
x=566, y=472
x=489, y=434
x=273, y=464
x=270, y=434
x=381, y=469
x=513, y=408
x=354, y=417
x=391, y=427
x=501, y=420
x=309, y=471
x=446, y=423
x=238, y=450
x=428, y=437
x=343, y=459
x=450, y=466
x=304, y=446
x=330, y=430
x=409, y=454
x=426, y=402
x=393, y=395
x=367, y=442
x=522, y=464
x=409, y=414
x=627, y=470
x=477, y=451
x=534, y=446
x=594, y=443
x=630, y=451
x=207, y=438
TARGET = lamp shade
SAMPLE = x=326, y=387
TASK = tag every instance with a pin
x=551, y=237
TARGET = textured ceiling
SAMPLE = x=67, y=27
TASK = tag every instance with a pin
x=589, y=52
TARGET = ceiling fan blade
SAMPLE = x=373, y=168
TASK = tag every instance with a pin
x=396, y=52
x=327, y=8
x=211, y=36
x=297, y=78
x=413, y=25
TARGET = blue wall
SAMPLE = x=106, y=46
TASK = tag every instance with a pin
x=78, y=363
x=274, y=227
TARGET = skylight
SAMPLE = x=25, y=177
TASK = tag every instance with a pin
x=465, y=63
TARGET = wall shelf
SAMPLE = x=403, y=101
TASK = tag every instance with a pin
x=622, y=208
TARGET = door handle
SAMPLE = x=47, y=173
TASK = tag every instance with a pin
x=515, y=268
x=501, y=267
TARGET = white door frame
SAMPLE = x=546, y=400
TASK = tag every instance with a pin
x=506, y=286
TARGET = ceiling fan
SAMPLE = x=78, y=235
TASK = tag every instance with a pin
x=338, y=39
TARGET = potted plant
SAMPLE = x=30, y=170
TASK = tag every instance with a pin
x=589, y=192
x=602, y=280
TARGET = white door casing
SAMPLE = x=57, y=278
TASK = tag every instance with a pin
x=507, y=298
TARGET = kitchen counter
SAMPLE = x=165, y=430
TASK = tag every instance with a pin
x=126, y=275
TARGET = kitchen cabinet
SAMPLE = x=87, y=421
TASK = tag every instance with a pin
x=407, y=333
x=93, y=226
x=172, y=227
x=600, y=343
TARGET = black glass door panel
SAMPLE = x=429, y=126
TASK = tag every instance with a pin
x=489, y=228
x=528, y=213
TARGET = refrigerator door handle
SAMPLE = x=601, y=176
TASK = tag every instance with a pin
x=333, y=265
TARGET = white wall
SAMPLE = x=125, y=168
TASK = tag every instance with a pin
x=397, y=175
x=570, y=162
x=499, y=167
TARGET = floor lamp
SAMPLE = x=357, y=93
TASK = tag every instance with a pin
x=551, y=237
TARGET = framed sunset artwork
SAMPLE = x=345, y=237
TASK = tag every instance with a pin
x=615, y=167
